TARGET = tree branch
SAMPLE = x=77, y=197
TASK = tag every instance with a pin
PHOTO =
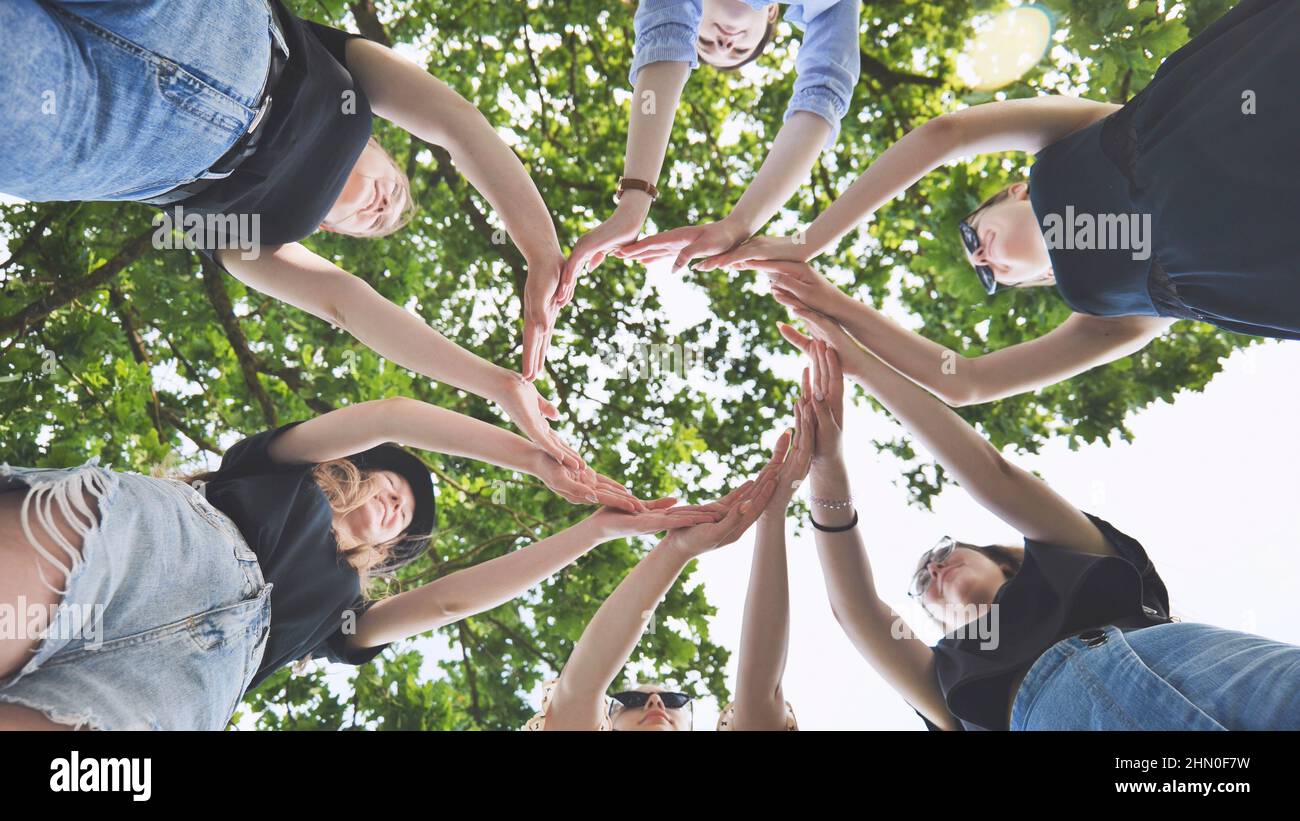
x=220, y=301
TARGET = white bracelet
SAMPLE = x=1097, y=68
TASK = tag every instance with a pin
x=833, y=504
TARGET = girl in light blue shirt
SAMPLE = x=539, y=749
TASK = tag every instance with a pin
x=672, y=38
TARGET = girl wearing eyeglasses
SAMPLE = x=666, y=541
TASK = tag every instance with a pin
x=1191, y=189
x=578, y=701
x=1071, y=632
x=148, y=603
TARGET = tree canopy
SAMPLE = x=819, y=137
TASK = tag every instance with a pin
x=150, y=358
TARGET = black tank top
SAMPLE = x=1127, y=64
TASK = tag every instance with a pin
x=1057, y=593
x=319, y=123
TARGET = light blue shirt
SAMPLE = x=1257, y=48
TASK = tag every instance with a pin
x=827, y=65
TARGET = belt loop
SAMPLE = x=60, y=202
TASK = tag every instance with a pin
x=277, y=35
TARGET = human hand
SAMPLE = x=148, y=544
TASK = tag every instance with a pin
x=682, y=245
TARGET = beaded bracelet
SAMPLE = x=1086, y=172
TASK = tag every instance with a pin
x=832, y=504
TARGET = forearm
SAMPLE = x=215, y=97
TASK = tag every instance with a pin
x=850, y=586
x=617, y=627
x=495, y=171
x=654, y=107
x=795, y=149
x=943, y=372
x=428, y=427
x=918, y=153
x=407, y=341
x=476, y=589
x=765, y=634
x=953, y=442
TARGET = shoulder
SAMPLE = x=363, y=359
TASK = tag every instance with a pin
x=727, y=719
x=538, y=721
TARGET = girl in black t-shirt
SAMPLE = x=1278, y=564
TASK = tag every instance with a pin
x=160, y=604
x=1071, y=632
x=251, y=129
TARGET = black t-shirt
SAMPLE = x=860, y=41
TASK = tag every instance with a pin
x=1056, y=593
x=318, y=125
x=285, y=518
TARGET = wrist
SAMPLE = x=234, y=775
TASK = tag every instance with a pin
x=635, y=204
x=675, y=548
x=828, y=466
x=740, y=225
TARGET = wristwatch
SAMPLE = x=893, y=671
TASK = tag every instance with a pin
x=629, y=184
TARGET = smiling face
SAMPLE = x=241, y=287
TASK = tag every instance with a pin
x=374, y=200
x=654, y=716
x=966, y=577
x=730, y=31
x=384, y=514
x=1011, y=241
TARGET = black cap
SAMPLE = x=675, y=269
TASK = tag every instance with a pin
x=399, y=460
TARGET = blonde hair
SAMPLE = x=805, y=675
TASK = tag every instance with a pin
x=347, y=487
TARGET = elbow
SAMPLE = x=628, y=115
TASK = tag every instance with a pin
x=957, y=388
x=340, y=299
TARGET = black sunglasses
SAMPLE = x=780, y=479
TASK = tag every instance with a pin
x=635, y=699
x=971, y=240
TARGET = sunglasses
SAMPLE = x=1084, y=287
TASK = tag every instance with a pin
x=636, y=699
x=971, y=240
x=922, y=578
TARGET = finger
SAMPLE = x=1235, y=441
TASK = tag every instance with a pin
x=794, y=337
x=655, y=241
x=687, y=254
x=822, y=386
x=569, y=284
x=547, y=407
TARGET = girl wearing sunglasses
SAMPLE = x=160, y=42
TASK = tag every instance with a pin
x=160, y=604
x=1194, y=179
x=577, y=701
x=1073, y=631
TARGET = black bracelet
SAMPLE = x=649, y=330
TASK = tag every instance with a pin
x=840, y=529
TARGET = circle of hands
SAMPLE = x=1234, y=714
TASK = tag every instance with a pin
x=818, y=412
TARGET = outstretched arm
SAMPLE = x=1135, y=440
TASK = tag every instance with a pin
x=876, y=630
x=1010, y=125
x=618, y=625
x=295, y=275
x=765, y=631
x=1078, y=344
x=408, y=421
x=1009, y=492
x=493, y=583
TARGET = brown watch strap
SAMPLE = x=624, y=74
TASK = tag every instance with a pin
x=629, y=184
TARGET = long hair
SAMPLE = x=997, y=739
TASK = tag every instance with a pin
x=346, y=487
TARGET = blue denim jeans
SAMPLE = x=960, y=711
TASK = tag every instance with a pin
x=164, y=612
x=119, y=100
x=1177, y=676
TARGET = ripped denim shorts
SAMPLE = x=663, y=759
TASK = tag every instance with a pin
x=164, y=613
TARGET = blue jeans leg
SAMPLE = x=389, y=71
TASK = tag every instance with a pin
x=1179, y=676
x=124, y=100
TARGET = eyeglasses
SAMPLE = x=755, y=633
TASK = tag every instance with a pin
x=636, y=699
x=921, y=578
x=971, y=239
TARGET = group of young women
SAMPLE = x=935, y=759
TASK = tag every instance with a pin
x=169, y=598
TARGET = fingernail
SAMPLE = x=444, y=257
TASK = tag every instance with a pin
x=819, y=396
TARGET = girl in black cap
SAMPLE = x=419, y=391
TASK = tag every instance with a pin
x=155, y=603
